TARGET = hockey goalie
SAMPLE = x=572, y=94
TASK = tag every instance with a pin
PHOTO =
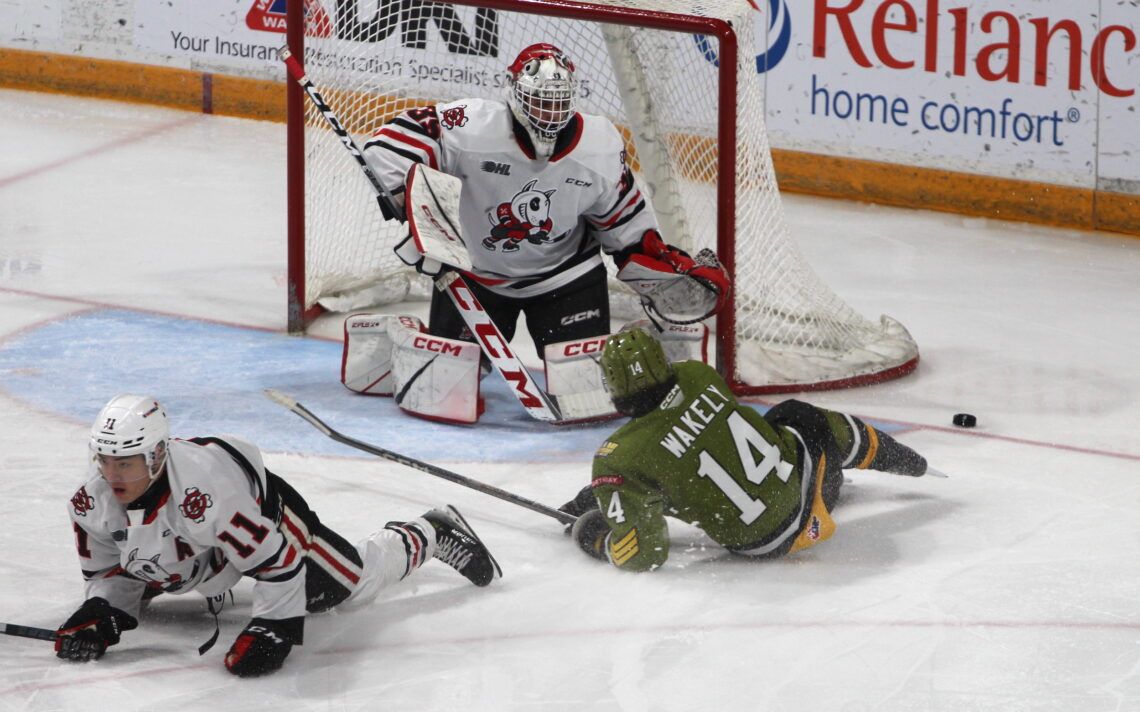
x=545, y=190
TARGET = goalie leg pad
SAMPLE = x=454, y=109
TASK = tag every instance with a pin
x=366, y=362
x=434, y=377
x=681, y=342
x=574, y=375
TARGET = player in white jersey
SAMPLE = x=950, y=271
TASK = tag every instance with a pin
x=546, y=189
x=161, y=515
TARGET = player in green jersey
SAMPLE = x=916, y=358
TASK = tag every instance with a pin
x=757, y=485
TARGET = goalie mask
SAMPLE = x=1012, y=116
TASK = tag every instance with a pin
x=132, y=425
x=636, y=372
x=542, y=93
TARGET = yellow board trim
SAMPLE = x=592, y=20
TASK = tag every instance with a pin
x=796, y=171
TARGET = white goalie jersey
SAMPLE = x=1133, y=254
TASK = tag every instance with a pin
x=530, y=225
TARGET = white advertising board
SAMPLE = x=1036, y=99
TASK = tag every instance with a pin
x=244, y=36
x=1119, y=158
x=983, y=86
x=236, y=36
x=27, y=24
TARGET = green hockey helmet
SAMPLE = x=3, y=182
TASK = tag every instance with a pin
x=637, y=374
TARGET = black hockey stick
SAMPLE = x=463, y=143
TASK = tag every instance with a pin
x=537, y=402
x=27, y=631
x=291, y=404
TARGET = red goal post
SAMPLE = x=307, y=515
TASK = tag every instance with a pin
x=786, y=330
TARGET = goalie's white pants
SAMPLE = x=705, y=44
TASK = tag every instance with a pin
x=390, y=555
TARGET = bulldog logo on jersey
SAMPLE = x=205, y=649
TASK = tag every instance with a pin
x=152, y=572
x=453, y=117
x=82, y=502
x=524, y=217
x=195, y=505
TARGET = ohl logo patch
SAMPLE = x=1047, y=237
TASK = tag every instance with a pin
x=269, y=16
x=779, y=29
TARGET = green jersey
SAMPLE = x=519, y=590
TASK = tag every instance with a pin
x=702, y=458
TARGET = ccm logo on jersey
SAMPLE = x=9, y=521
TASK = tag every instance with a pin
x=579, y=183
x=582, y=316
x=436, y=346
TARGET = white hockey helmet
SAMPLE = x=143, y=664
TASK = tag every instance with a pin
x=542, y=93
x=132, y=425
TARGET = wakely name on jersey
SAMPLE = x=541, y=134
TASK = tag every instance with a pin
x=701, y=411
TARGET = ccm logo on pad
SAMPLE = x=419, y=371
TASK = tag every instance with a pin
x=578, y=348
x=436, y=346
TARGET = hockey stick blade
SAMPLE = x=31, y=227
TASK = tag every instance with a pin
x=289, y=403
x=292, y=405
x=27, y=631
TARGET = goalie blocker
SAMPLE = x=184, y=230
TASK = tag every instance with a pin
x=438, y=379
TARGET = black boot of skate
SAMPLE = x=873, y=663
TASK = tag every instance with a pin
x=882, y=452
x=457, y=546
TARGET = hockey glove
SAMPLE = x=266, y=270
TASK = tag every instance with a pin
x=410, y=255
x=263, y=646
x=590, y=531
x=652, y=268
x=583, y=502
x=92, y=629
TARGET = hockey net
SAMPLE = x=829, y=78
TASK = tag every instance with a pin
x=695, y=136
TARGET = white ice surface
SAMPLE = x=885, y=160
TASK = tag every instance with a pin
x=1013, y=585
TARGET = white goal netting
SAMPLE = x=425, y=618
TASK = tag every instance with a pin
x=372, y=59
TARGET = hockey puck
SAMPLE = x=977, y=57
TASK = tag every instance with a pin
x=965, y=420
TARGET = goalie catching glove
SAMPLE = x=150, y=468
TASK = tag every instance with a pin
x=263, y=646
x=96, y=626
x=674, y=286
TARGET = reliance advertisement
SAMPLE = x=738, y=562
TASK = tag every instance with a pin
x=1009, y=88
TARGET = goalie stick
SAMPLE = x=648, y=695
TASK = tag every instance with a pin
x=291, y=404
x=538, y=403
x=27, y=631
